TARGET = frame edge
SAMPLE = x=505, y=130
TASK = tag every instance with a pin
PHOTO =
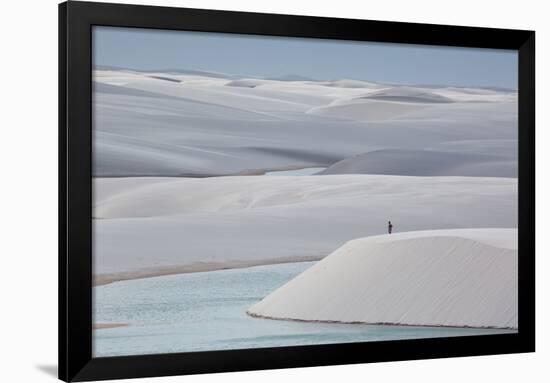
x=526, y=191
x=75, y=293
x=62, y=192
x=75, y=361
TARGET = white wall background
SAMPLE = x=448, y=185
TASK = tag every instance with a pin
x=28, y=199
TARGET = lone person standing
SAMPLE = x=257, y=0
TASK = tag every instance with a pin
x=390, y=227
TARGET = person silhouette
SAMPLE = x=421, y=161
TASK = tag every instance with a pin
x=390, y=227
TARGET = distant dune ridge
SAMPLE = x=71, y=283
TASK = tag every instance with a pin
x=463, y=278
x=197, y=123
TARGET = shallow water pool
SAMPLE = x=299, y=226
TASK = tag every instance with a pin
x=207, y=311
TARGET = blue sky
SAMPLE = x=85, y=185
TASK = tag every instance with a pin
x=263, y=56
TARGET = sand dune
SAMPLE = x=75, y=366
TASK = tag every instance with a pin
x=361, y=109
x=425, y=163
x=506, y=148
x=170, y=125
x=408, y=95
x=347, y=83
x=153, y=197
x=247, y=83
x=146, y=224
x=436, y=278
x=174, y=123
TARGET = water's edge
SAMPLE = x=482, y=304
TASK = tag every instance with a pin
x=207, y=311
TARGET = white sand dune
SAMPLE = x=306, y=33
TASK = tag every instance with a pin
x=425, y=163
x=347, y=83
x=408, y=95
x=432, y=278
x=361, y=109
x=506, y=148
x=153, y=197
x=174, y=123
x=152, y=223
x=247, y=83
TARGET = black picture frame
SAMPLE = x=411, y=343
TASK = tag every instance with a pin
x=75, y=190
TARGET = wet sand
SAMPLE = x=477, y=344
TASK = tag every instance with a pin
x=196, y=267
x=100, y=326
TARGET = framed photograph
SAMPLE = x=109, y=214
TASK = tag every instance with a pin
x=244, y=191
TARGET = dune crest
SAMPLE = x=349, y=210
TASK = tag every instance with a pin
x=408, y=94
x=459, y=278
x=422, y=162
